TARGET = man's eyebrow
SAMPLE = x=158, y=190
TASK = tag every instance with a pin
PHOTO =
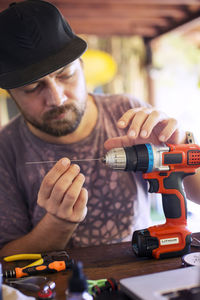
x=57, y=73
x=61, y=70
x=54, y=73
x=64, y=68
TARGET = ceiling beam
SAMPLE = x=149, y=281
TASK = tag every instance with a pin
x=119, y=11
x=108, y=28
x=134, y=21
x=148, y=18
x=177, y=25
x=4, y=3
x=137, y=20
x=134, y=2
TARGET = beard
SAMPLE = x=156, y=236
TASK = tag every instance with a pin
x=55, y=126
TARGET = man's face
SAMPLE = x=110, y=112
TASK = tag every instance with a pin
x=55, y=103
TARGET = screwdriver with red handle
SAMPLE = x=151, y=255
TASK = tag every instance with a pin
x=48, y=267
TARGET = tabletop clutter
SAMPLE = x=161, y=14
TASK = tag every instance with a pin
x=37, y=279
x=33, y=278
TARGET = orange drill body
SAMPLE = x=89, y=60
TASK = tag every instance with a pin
x=173, y=236
x=164, y=167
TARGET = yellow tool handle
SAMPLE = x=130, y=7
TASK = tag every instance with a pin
x=22, y=257
x=36, y=263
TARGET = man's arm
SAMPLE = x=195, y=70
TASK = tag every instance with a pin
x=63, y=197
x=50, y=234
x=192, y=187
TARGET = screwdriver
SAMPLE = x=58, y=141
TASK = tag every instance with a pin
x=47, y=267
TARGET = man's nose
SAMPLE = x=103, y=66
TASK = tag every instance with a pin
x=55, y=95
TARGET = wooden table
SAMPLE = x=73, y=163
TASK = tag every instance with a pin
x=117, y=261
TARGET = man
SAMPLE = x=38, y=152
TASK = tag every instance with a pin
x=45, y=206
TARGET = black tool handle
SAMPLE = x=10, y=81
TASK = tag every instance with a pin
x=174, y=204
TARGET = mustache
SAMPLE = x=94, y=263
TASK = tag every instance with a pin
x=55, y=112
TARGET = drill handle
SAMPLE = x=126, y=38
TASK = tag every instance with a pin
x=173, y=194
x=174, y=204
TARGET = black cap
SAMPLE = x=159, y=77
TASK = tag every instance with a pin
x=35, y=41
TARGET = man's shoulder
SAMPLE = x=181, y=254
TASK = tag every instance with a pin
x=11, y=129
x=119, y=99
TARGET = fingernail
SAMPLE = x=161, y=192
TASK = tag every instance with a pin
x=143, y=133
x=65, y=162
x=132, y=133
x=162, y=138
x=121, y=123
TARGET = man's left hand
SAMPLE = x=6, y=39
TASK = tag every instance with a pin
x=147, y=125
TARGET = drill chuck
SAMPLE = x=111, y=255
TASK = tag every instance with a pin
x=115, y=159
x=133, y=158
x=142, y=157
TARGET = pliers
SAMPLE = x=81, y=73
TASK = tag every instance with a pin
x=45, y=262
x=40, y=257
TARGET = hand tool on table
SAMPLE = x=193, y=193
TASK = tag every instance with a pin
x=31, y=283
x=47, y=291
x=97, y=287
x=195, y=242
x=164, y=167
x=46, y=263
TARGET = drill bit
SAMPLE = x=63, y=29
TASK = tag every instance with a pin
x=54, y=161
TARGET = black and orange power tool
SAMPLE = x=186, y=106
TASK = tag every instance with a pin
x=164, y=167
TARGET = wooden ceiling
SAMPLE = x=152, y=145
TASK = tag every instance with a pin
x=147, y=18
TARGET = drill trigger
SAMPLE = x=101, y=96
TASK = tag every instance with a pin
x=153, y=185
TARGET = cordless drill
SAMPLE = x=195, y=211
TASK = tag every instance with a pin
x=164, y=167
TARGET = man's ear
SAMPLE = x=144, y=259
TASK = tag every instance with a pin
x=9, y=92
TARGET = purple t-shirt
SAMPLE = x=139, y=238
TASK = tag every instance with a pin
x=118, y=201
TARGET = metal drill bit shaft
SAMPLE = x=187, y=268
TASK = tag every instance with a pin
x=54, y=161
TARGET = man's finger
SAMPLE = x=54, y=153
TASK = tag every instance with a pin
x=123, y=141
x=80, y=207
x=77, y=212
x=126, y=118
x=72, y=193
x=63, y=185
x=150, y=123
x=168, y=130
x=50, y=179
x=137, y=123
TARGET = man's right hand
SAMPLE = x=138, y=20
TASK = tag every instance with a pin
x=64, y=199
x=62, y=194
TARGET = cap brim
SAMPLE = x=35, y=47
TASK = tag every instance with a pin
x=53, y=62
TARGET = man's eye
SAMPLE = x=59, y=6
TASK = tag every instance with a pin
x=32, y=89
x=65, y=76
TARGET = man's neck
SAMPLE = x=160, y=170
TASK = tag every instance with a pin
x=84, y=129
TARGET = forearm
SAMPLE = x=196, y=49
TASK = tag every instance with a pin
x=192, y=187
x=50, y=234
